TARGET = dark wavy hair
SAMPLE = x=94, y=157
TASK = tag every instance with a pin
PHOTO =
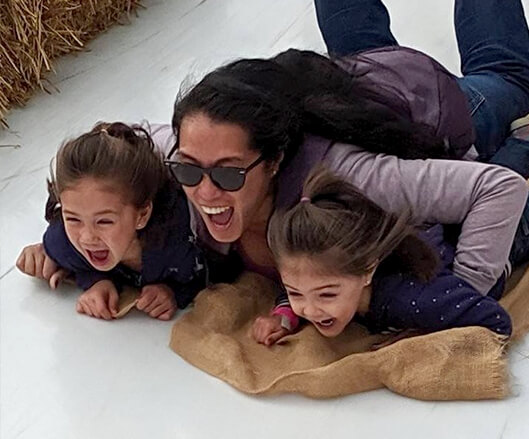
x=278, y=100
x=125, y=156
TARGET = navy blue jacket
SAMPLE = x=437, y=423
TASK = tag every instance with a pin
x=176, y=262
x=399, y=301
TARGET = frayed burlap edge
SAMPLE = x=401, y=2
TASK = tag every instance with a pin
x=457, y=364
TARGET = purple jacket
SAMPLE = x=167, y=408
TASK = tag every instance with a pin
x=417, y=87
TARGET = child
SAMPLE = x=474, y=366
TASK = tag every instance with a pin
x=341, y=257
x=116, y=218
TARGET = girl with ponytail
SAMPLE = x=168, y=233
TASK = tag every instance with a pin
x=341, y=257
x=116, y=218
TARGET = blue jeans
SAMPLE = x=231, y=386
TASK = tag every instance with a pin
x=493, y=42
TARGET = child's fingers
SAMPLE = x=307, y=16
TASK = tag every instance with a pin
x=154, y=304
x=39, y=264
x=263, y=327
x=159, y=309
x=256, y=327
x=168, y=315
x=83, y=308
x=29, y=265
x=49, y=267
x=89, y=306
x=100, y=308
x=275, y=336
x=21, y=261
x=145, y=299
x=57, y=277
x=113, y=302
x=164, y=308
x=263, y=333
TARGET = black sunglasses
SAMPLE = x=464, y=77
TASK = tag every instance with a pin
x=227, y=178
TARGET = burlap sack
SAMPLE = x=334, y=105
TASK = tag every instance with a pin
x=464, y=363
x=127, y=300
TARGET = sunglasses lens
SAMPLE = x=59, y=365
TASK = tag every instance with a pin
x=229, y=179
x=187, y=174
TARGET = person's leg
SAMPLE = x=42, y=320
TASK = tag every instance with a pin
x=493, y=41
x=520, y=246
x=513, y=154
x=352, y=26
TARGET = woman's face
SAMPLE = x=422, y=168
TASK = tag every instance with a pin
x=207, y=143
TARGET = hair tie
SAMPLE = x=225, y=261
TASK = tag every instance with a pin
x=304, y=200
x=104, y=130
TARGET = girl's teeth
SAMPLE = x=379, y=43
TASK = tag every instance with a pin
x=327, y=322
x=214, y=210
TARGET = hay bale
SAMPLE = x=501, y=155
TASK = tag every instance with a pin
x=34, y=32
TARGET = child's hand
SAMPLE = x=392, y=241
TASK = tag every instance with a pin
x=100, y=300
x=267, y=330
x=34, y=261
x=158, y=301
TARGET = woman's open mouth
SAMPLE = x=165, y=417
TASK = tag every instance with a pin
x=220, y=217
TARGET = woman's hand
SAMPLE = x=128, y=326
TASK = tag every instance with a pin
x=268, y=330
x=158, y=301
x=34, y=261
x=99, y=301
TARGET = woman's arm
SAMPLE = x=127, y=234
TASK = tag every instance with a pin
x=486, y=200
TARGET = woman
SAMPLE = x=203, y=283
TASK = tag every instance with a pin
x=243, y=149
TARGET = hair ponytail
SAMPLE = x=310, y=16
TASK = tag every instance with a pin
x=347, y=233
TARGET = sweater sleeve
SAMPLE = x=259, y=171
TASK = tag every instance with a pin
x=58, y=247
x=289, y=320
x=446, y=302
x=486, y=200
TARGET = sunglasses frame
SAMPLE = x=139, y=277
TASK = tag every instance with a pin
x=207, y=171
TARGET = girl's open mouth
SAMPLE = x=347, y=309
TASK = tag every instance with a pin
x=327, y=323
x=98, y=257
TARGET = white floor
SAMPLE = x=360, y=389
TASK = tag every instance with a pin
x=64, y=375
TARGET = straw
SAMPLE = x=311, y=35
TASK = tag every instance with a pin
x=35, y=32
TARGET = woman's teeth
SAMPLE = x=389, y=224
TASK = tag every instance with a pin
x=214, y=210
x=326, y=322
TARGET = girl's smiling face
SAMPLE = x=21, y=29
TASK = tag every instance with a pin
x=100, y=223
x=328, y=301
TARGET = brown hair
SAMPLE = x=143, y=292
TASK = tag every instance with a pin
x=346, y=233
x=119, y=153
